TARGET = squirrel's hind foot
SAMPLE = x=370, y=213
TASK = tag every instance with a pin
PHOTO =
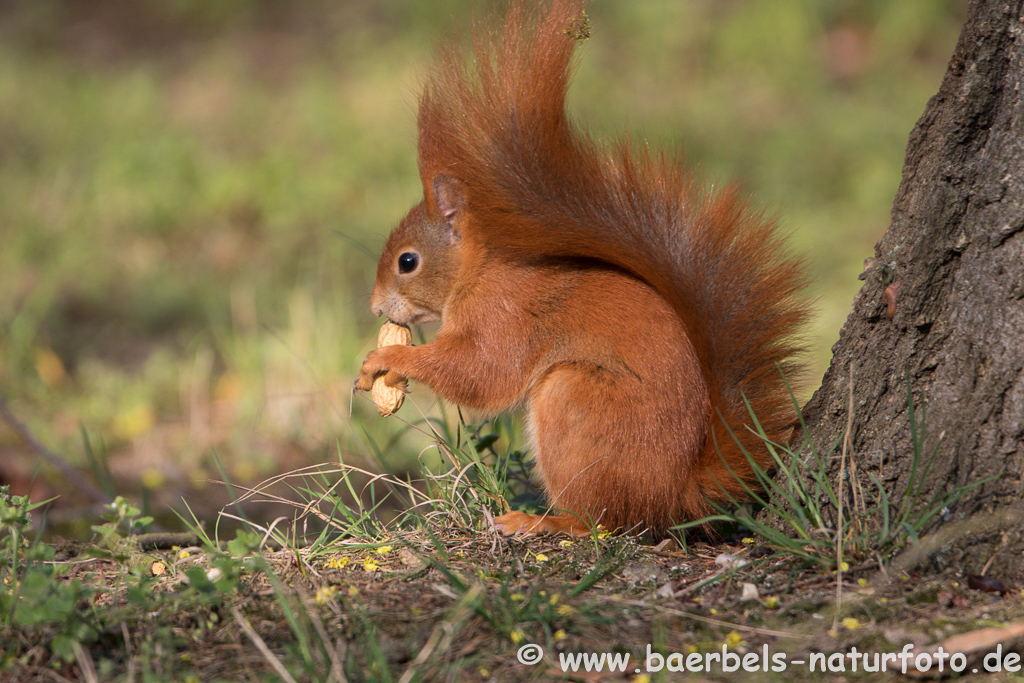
x=513, y=523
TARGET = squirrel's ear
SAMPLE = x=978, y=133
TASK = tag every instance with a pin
x=450, y=199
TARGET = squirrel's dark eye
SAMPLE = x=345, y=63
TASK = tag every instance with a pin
x=408, y=261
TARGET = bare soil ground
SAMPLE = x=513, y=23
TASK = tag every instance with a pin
x=459, y=607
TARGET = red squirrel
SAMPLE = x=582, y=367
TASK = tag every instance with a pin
x=629, y=310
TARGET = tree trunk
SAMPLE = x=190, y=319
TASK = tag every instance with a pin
x=942, y=304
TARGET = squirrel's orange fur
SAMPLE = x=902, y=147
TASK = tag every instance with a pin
x=628, y=310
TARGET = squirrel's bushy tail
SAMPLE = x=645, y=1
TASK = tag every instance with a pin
x=536, y=184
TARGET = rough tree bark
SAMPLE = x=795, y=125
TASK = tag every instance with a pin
x=943, y=302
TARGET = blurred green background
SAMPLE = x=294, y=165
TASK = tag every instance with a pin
x=192, y=195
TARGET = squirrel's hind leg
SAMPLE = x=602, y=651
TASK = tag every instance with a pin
x=610, y=451
x=570, y=459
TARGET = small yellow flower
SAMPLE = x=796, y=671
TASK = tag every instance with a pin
x=733, y=639
x=371, y=565
x=603, y=533
x=862, y=582
x=325, y=595
x=353, y=591
x=152, y=478
x=50, y=367
x=565, y=610
x=690, y=649
x=714, y=611
x=565, y=543
x=484, y=673
x=133, y=422
x=517, y=597
x=641, y=678
x=338, y=562
x=748, y=541
x=517, y=636
x=834, y=633
x=554, y=599
x=845, y=566
x=541, y=557
x=384, y=550
x=183, y=555
x=771, y=602
x=560, y=635
x=851, y=624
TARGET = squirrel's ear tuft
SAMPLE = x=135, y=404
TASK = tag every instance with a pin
x=450, y=198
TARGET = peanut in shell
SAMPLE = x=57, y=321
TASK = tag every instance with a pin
x=388, y=399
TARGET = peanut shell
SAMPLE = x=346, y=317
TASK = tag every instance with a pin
x=389, y=399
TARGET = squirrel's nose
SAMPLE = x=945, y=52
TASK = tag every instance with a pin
x=377, y=302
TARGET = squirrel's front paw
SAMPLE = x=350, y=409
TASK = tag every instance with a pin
x=372, y=367
x=375, y=365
